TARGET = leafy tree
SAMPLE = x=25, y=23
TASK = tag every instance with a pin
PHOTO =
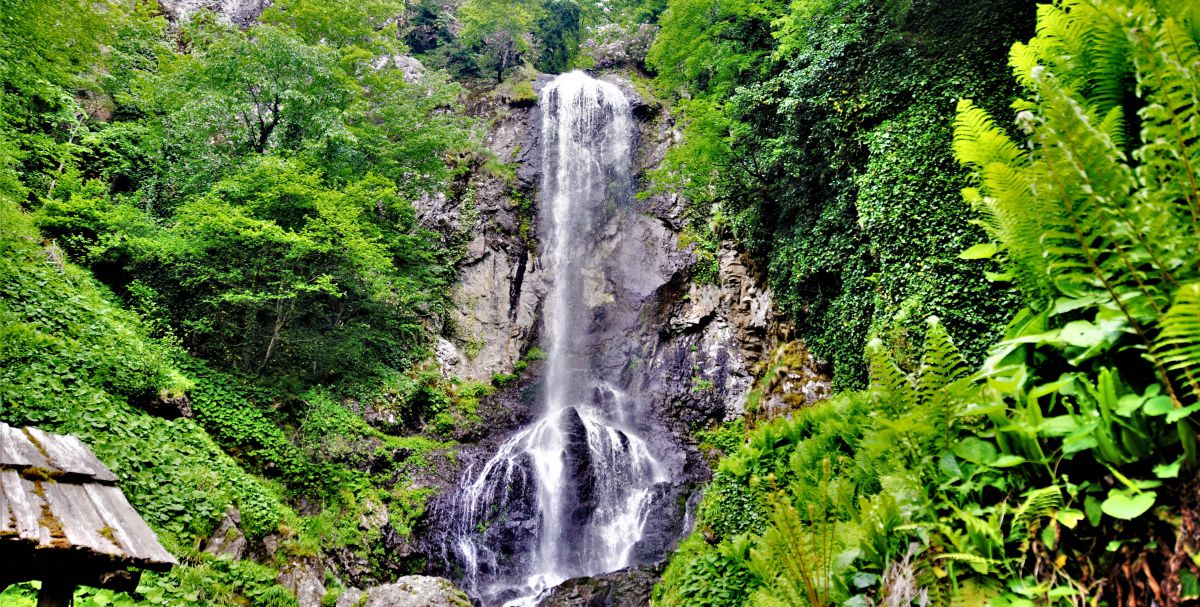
x=46, y=49
x=558, y=32
x=237, y=95
x=372, y=25
x=501, y=33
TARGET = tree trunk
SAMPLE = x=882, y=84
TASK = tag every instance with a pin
x=281, y=319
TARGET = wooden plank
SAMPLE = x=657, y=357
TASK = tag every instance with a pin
x=25, y=507
x=69, y=454
x=81, y=524
x=130, y=530
x=17, y=452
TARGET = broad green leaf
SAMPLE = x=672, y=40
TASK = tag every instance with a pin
x=1060, y=425
x=1069, y=518
x=1091, y=507
x=1082, y=334
x=1127, y=505
x=984, y=250
x=1007, y=461
x=975, y=450
x=1189, y=585
x=1168, y=470
x=1080, y=441
x=1128, y=404
x=1159, y=405
x=1177, y=414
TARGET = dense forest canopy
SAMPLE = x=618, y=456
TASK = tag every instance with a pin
x=981, y=215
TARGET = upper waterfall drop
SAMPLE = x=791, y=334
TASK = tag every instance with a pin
x=572, y=490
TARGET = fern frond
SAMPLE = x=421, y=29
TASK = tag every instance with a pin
x=1008, y=202
x=941, y=365
x=890, y=386
x=1167, y=61
x=1038, y=504
x=1113, y=126
x=978, y=142
x=1178, y=342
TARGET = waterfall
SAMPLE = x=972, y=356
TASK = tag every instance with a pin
x=568, y=495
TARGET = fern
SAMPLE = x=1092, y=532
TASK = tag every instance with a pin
x=1077, y=216
x=890, y=386
x=795, y=561
x=1009, y=206
x=1178, y=342
x=941, y=366
x=1038, y=504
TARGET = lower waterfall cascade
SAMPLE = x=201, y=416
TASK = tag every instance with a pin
x=574, y=488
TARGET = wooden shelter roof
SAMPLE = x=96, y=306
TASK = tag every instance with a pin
x=59, y=503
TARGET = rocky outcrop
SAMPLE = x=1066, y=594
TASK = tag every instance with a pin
x=410, y=591
x=626, y=588
x=500, y=284
x=306, y=579
x=228, y=539
x=239, y=12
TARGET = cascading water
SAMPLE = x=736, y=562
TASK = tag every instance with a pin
x=570, y=494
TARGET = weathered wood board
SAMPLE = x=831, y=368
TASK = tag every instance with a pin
x=56, y=496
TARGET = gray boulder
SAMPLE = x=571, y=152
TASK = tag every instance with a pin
x=625, y=588
x=306, y=579
x=228, y=538
x=410, y=591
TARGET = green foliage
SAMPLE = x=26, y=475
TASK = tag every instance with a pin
x=46, y=50
x=500, y=33
x=74, y=362
x=242, y=196
x=941, y=486
x=254, y=187
x=1091, y=213
x=370, y=25
x=700, y=575
x=725, y=438
x=815, y=135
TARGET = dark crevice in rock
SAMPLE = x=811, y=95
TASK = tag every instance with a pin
x=514, y=291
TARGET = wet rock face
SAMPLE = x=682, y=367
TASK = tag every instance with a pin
x=626, y=588
x=581, y=471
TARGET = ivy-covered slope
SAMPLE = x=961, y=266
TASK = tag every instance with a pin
x=817, y=136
